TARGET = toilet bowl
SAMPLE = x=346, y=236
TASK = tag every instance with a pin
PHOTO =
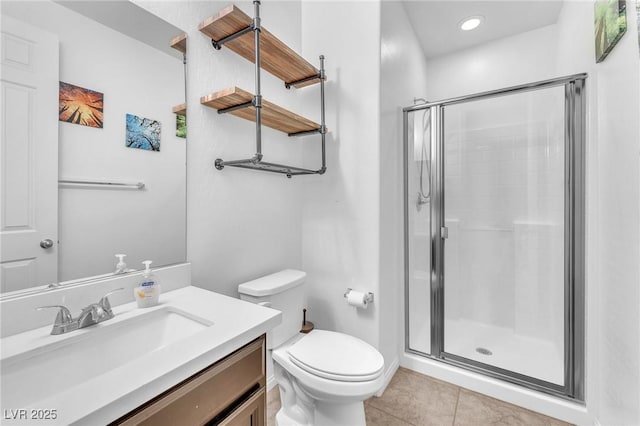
x=323, y=376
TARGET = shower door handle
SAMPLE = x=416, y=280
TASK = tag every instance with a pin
x=444, y=232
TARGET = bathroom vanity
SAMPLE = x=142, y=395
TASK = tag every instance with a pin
x=196, y=356
x=230, y=392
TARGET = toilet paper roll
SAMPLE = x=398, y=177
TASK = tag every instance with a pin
x=357, y=299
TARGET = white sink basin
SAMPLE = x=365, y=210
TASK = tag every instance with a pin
x=84, y=354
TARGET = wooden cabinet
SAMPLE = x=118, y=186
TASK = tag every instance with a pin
x=251, y=413
x=230, y=392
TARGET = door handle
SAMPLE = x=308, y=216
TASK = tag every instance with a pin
x=444, y=232
x=46, y=243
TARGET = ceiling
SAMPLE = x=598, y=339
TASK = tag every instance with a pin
x=437, y=22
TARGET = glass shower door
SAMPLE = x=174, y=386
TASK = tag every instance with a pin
x=504, y=213
x=418, y=197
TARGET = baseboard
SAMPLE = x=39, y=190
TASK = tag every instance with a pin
x=271, y=382
x=388, y=375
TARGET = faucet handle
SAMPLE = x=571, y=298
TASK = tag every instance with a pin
x=63, y=317
x=104, y=302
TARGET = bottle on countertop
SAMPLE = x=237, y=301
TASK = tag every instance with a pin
x=147, y=292
x=121, y=267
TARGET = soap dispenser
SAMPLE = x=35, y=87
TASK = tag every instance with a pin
x=147, y=292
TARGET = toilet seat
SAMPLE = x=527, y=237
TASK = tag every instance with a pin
x=336, y=356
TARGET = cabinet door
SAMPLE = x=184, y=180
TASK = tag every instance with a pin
x=251, y=413
x=208, y=394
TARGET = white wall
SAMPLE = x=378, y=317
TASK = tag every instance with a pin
x=241, y=224
x=613, y=210
x=341, y=213
x=618, y=139
x=147, y=224
x=509, y=61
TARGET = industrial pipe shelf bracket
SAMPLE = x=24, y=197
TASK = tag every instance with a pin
x=256, y=162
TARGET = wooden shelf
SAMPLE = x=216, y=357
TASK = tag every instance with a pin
x=179, y=43
x=180, y=109
x=275, y=57
x=273, y=115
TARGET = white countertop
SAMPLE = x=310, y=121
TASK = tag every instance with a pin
x=109, y=396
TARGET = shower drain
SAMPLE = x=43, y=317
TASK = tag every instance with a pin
x=484, y=351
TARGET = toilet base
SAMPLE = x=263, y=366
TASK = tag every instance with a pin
x=301, y=409
x=326, y=415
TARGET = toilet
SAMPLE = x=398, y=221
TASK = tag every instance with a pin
x=323, y=376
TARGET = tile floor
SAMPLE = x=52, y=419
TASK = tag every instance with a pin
x=413, y=399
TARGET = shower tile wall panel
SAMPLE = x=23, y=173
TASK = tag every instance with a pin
x=504, y=177
x=538, y=315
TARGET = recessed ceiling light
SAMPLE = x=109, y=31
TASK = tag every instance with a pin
x=470, y=23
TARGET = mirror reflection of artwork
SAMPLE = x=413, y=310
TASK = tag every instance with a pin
x=82, y=106
x=610, y=25
x=143, y=133
x=181, y=126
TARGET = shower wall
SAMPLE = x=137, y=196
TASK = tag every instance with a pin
x=525, y=57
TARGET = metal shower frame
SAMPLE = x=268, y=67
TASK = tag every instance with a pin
x=256, y=162
x=574, y=238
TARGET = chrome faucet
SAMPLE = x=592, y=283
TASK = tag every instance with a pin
x=90, y=315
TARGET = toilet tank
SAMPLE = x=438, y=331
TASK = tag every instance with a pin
x=283, y=291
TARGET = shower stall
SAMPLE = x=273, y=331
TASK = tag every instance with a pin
x=494, y=233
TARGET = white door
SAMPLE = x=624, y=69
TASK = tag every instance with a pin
x=29, y=156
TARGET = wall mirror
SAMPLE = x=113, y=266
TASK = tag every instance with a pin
x=93, y=157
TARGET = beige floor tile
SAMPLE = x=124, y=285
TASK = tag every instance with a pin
x=418, y=399
x=273, y=405
x=415, y=399
x=477, y=409
x=376, y=417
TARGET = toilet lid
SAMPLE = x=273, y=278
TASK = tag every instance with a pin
x=336, y=356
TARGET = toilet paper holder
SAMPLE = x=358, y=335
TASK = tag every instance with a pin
x=367, y=296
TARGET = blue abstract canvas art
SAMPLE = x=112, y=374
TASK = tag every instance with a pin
x=143, y=133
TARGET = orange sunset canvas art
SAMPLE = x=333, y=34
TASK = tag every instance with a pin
x=80, y=106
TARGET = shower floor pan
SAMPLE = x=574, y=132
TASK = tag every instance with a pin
x=533, y=357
